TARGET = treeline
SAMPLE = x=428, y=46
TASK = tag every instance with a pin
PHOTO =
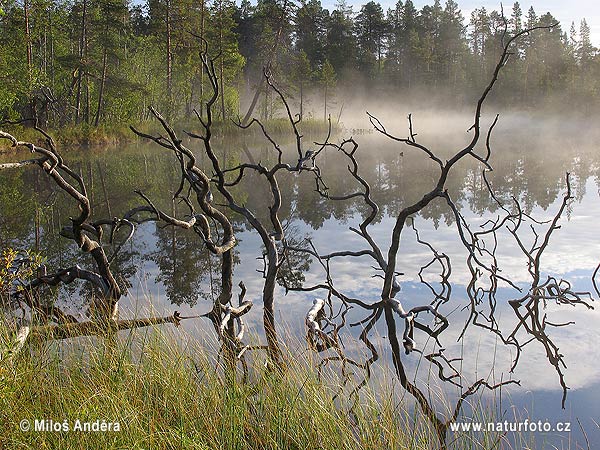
x=105, y=61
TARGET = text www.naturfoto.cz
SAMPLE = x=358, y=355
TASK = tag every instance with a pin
x=506, y=426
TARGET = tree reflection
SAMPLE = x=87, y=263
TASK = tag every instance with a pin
x=186, y=270
x=396, y=180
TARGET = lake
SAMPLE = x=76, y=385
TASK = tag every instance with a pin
x=169, y=270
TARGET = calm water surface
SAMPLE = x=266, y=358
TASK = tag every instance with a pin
x=168, y=270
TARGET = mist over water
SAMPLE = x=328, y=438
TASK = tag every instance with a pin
x=531, y=155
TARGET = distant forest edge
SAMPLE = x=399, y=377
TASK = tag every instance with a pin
x=102, y=63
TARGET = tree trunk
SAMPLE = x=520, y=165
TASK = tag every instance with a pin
x=169, y=62
x=32, y=108
x=101, y=91
x=86, y=111
x=27, y=34
x=265, y=107
x=301, y=100
x=325, y=105
x=222, y=90
x=221, y=61
x=268, y=302
x=257, y=93
x=51, y=115
x=82, y=44
x=202, y=9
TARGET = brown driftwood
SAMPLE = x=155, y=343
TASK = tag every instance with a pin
x=44, y=333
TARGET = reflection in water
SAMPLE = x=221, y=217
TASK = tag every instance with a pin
x=529, y=165
x=186, y=270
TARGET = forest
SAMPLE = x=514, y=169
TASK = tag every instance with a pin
x=104, y=62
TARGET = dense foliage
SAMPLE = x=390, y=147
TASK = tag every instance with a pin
x=103, y=62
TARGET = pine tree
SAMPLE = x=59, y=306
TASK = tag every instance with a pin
x=453, y=45
x=551, y=55
x=586, y=50
x=516, y=19
x=229, y=61
x=410, y=38
x=328, y=80
x=340, y=41
x=301, y=76
x=311, y=32
x=588, y=64
x=111, y=32
x=480, y=38
x=395, y=54
x=370, y=28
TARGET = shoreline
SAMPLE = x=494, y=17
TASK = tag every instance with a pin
x=112, y=135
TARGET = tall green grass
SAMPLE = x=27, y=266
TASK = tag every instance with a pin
x=165, y=395
x=167, y=392
x=76, y=135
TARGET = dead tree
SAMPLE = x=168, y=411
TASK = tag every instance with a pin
x=272, y=233
x=88, y=235
x=195, y=183
x=481, y=261
x=84, y=232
